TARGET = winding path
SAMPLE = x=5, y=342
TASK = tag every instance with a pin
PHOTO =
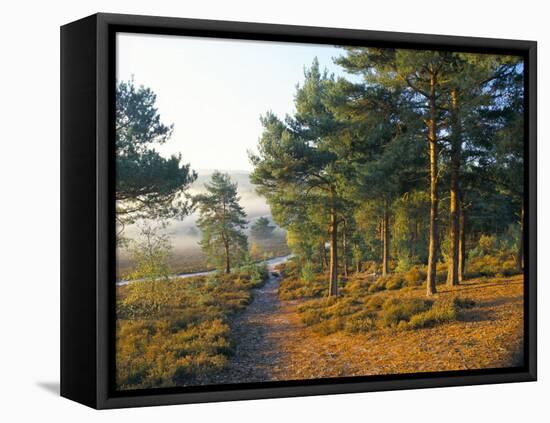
x=258, y=333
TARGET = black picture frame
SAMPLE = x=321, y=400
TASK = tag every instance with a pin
x=87, y=209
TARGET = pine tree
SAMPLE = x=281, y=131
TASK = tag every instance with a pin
x=422, y=76
x=384, y=153
x=262, y=229
x=299, y=163
x=222, y=222
x=147, y=184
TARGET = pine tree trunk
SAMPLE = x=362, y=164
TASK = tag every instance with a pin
x=462, y=245
x=333, y=269
x=227, y=262
x=225, y=239
x=519, y=258
x=385, y=243
x=454, y=207
x=345, y=250
x=325, y=259
x=433, y=238
x=322, y=256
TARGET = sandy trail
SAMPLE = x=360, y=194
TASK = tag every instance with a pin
x=258, y=334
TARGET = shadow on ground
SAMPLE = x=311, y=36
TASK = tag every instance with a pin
x=51, y=387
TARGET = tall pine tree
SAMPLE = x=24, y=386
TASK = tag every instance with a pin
x=300, y=161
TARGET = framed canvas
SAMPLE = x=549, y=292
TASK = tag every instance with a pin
x=257, y=211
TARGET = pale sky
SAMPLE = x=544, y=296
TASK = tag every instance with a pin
x=215, y=90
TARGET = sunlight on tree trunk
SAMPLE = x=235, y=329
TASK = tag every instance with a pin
x=322, y=256
x=462, y=245
x=433, y=241
x=345, y=249
x=385, y=242
x=454, y=206
x=227, y=259
x=333, y=269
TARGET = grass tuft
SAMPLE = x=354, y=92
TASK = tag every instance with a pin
x=396, y=310
x=438, y=314
x=463, y=302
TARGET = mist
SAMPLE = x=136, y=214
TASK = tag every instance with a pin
x=185, y=234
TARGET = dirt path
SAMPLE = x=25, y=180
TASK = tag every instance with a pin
x=258, y=334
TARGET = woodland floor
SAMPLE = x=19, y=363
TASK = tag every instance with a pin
x=271, y=343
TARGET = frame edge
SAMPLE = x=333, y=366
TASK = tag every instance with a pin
x=77, y=212
x=105, y=23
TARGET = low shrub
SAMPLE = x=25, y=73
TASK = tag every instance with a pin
x=318, y=303
x=439, y=313
x=312, y=317
x=361, y=307
x=395, y=281
x=376, y=288
x=357, y=287
x=379, y=284
x=331, y=306
x=504, y=264
x=290, y=289
x=414, y=277
x=375, y=302
x=201, y=363
x=363, y=321
x=329, y=315
x=381, y=280
x=329, y=326
x=257, y=273
x=463, y=302
x=396, y=310
x=294, y=288
x=487, y=245
x=289, y=269
x=509, y=267
x=175, y=331
x=150, y=354
x=404, y=264
x=371, y=267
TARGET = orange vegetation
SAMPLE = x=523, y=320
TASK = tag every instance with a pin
x=487, y=335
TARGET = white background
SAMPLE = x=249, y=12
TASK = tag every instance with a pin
x=29, y=208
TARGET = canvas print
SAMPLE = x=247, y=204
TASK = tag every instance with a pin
x=292, y=211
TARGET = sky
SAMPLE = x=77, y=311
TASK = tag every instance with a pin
x=214, y=90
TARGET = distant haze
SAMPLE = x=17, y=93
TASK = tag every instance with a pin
x=185, y=234
x=214, y=90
